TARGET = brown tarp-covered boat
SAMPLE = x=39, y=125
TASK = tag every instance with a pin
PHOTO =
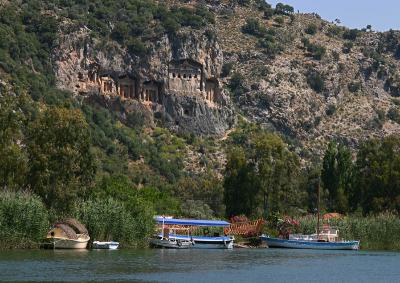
x=67, y=234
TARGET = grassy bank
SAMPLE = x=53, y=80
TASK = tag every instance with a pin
x=380, y=232
x=24, y=220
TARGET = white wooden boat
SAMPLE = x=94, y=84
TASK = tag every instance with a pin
x=67, y=234
x=105, y=245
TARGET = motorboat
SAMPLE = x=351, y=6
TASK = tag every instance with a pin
x=170, y=243
x=105, y=245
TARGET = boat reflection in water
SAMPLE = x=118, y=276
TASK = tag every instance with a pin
x=176, y=233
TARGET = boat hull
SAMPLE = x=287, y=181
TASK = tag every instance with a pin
x=315, y=245
x=105, y=245
x=201, y=242
x=168, y=244
x=67, y=244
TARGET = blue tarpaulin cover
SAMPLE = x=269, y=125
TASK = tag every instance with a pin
x=192, y=222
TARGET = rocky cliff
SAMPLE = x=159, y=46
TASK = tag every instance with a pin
x=181, y=109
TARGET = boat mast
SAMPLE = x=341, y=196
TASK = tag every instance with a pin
x=163, y=227
x=318, y=206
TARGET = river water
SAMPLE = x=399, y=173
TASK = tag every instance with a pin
x=238, y=265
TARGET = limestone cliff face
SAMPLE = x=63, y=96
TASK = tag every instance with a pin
x=177, y=80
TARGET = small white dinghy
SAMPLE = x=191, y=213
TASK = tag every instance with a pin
x=105, y=245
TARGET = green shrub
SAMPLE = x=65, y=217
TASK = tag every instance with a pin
x=351, y=34
x=269, y=44
x=268, y=13
x=243, y=2
x=283, y=9
x=334, y=31
x=137, y=47
x=236, y=84
x=315, y=81
x=279, y=20
x=226, y=69
x=311, y=29
x=317, y=51
x=330, y=110
x=196, y=209
x=347, y=46
x=354, y=86
x=394, y=114
x=23, y=220
x=253, y=27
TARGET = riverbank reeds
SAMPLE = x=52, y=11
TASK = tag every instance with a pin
x=23, y=220
x=379, y=232
x=110, y=219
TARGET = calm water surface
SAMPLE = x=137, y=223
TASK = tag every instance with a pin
x=238, y=265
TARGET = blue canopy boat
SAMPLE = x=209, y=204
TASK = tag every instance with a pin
x=198, y=242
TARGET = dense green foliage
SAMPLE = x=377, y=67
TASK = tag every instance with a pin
x=261, y=174
x=236, y=85
x=311, y=29
x=377, y=176
x=283, y=9
x=336, y=176
x=315, y=81
x=129, y=222
x=317, y=51
x=61, y=165
x=23, y=219
x=267, y=38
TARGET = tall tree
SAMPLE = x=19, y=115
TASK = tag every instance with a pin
x=241, y=185
x=13, y=155
x=61, y=163
x=261, y=174
x=377, y=176
x=336, y=176
x=277, y=169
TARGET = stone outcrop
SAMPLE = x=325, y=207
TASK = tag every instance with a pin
x=178, y=81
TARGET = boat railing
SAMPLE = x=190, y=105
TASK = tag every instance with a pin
x=302, y=237
x=248, y=228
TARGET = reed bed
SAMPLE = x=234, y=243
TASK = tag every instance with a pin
x=379, y=232
x=23, y=220
x=110, y=219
